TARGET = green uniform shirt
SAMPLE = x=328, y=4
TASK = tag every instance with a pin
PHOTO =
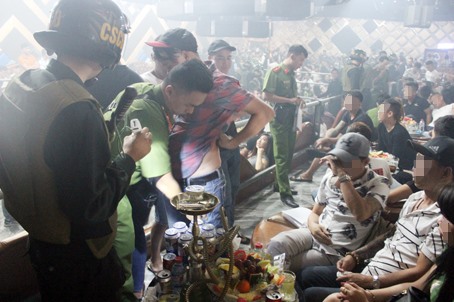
x=151, y=112
x=281, y=82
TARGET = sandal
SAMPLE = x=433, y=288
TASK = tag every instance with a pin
x=299, y=179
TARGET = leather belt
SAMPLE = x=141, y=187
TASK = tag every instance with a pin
x=202, y=180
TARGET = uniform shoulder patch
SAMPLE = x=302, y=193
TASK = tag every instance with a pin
x=276, y=69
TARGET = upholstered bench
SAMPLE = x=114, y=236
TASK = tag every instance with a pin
x=268, y=228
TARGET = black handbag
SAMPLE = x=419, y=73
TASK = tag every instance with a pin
x=412, y=294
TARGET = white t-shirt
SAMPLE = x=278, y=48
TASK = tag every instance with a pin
x=151, y=78
x=440, y=112
x=347, y=233
x=416, y=232
x=432, y=76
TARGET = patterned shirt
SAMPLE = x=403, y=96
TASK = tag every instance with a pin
x=192, y=135
x=347, y=233
x=416, y=231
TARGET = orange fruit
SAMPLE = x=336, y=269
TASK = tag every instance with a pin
x=243, y=286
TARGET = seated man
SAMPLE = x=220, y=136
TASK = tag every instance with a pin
x=347, y=205
x=352, y=102
x=416, y=243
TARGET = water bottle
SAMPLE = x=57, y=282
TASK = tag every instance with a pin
x=422, y=126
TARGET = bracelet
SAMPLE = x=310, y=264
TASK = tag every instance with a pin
x=354, y=257
x=371, y=294
x=344, y=178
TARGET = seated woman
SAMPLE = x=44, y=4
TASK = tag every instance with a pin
x=260, y=156
x=437, y=282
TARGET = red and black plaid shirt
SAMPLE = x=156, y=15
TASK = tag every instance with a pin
x=192, y=135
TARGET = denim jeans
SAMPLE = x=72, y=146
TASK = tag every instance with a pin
x=317, y=282
x=231, y=168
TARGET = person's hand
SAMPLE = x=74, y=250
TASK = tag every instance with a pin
x=351, y=292
x=364, y=281
x=334, y=164
x=320, y=233
x=322, y=143
x=226, y=142
x=346, y=264
x=138, y=144
x=297, y=101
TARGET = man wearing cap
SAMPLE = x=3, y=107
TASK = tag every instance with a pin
x=348, y=203
x=280, y=89
x=411, y=250
x=220, y=53
x=195, y=138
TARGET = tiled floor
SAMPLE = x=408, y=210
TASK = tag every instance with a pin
x=266, y=203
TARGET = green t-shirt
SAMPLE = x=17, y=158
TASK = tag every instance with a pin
x=435, y=287
x=373, y=114
x=149, y=112
x=281, y=81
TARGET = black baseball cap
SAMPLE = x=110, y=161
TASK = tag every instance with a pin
x=440, y=149
x=179, y=38
x=218, y=45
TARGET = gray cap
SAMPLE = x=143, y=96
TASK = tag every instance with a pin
x=218, y=45
x=351, y=146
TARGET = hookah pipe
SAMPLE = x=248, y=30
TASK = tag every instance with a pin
x=194, y=253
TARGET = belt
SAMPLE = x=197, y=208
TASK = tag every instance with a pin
x=202, y=180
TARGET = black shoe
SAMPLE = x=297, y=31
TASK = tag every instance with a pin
x=244, y=239
x=276, y=189
x=289, y=201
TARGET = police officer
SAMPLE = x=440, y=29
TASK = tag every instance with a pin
x=280, y=88
x=353, y=71
x=55, y=169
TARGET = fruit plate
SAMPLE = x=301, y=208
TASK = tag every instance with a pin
x=230, y=297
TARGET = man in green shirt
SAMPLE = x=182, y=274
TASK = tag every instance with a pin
x=185, y=87
x=280, y=89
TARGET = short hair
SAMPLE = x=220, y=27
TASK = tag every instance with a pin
x=429, y=62
x=412, y=84
x=355, y=93
x=425, y=92
x=448, y=94
x=382, y=97
x=297, y=49
x=395, y=107
x=190, y=76
x=444, y=126
x=361, y=128
x=383, y=58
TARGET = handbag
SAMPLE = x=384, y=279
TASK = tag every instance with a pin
x=412, y=294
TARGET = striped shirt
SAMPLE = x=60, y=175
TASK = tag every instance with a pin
x=416, y=231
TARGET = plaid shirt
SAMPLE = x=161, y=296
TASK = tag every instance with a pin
x=192, y=135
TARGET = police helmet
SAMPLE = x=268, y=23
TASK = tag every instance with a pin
x=358, y=55
x=89, y=29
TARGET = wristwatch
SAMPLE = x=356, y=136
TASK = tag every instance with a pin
x=344, y=178
x=375, y=282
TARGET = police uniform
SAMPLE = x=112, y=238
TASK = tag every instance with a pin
x=281, y=81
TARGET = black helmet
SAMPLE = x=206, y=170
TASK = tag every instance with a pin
x=90, y=29
x=358, y=55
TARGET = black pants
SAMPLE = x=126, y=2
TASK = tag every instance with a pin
x=71, y=273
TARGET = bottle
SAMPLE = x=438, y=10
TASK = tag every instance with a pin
x=422, y=126
x=178, y=274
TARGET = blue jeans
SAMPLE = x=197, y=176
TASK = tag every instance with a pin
x=231, y=168
x=215, y=187
x=317, y=282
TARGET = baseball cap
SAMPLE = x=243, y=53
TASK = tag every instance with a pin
x=179, y=38
x=218, y=45
x=440, y=149
x=351, y=146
